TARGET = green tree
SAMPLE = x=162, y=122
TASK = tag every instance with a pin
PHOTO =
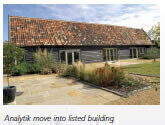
x=155, y=53
x=11, y=55
x=154, y=33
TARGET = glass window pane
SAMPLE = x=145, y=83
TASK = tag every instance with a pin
x=131, y=53
x=104, y=54
x=134, y=52
x=69, y=58
x=108, y=55
x=62, y=55
x=76, y=56
x=116, y=54
x=111, y=54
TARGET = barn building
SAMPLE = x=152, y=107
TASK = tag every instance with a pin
x=76, y=41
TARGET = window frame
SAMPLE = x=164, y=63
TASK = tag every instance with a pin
x=110, y=57
x=66, y=53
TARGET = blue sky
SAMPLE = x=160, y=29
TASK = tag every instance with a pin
x=131, y=15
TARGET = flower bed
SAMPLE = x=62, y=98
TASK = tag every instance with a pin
x=112, y=78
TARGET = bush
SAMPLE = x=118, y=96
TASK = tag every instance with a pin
x=106, y=76
x=44, y=63
x=93, y=78
x=35, y=68
x=46, y=71
x=20, y=69
x=71, y=71
x=25, y=68
x=128, y=81
x=58, y=68
x=110, y=76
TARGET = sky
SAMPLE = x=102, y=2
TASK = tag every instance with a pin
x=131, y=15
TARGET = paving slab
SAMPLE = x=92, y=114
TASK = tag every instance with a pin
x=54, y=90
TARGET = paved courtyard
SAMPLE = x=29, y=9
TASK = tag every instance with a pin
x=54, y=90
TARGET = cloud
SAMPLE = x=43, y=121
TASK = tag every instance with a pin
x=137, y=16
x=131, y=15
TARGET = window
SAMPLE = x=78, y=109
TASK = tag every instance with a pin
x=110, y=54
x=62, y=57
x=134, y=52
x=104, y=54
x=76, y=56
x=116, y=54
x=142, y=51
x=69, y=56
x=131, y=56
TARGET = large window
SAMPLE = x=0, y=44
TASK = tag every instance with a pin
x=133, y=52
x=62, y=57
x=69, y=56
x=110, y=54
x=76, y=56
x=142, y=51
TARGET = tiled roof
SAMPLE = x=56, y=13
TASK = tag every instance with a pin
x=31, y=32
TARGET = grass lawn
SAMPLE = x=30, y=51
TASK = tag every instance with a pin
x=152, y=68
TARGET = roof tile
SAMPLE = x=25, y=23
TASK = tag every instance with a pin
x=34, y=31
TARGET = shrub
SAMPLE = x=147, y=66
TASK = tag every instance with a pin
x=110, y=76
x=58, y=68
x=128, y=81
x=46, y=71
x=105, y=76
x=35, y=68
x=20, y=69
x=44, y=63
x=93, y=78
x=71, y=71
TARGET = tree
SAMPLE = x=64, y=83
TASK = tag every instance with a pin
x=155, y=53
x=154, y=33
x=11, y=55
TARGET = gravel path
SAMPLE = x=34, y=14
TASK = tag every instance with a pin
x=147, y=97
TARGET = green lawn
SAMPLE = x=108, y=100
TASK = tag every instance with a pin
x=152, y=68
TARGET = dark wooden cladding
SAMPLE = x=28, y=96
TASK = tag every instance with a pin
x=88, y=54
x=124, y=53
